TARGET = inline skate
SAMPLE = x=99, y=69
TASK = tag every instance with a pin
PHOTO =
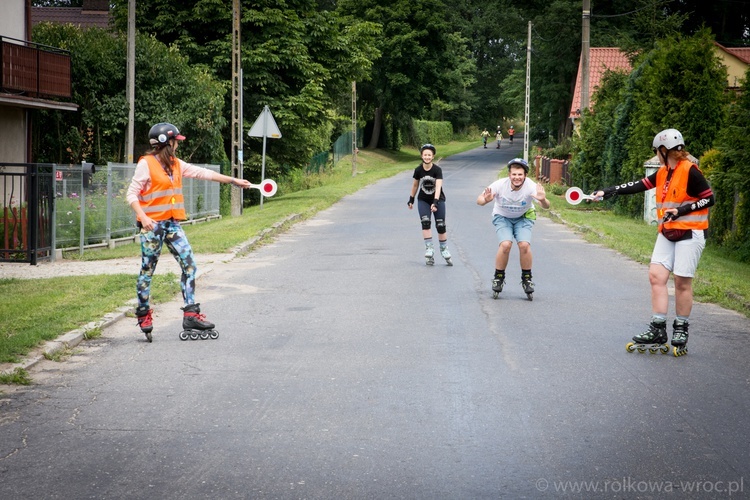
x=429, y=255
x=145, y=321
x=446, y=255
x=679, y=337
x=528, y=286
x=654, y=339
x=195, y=326
x=497, y=285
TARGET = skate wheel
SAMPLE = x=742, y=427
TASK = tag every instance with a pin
x=495, y=294
x=194, y=335
x=214, y=334
x=204, y=335
x=641, y=349
x=679, y=351
x=630, y=346
x=664, y=349
x=184, y=335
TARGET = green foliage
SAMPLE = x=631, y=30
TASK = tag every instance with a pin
x=168, y=89
x=297, y=59
x=426, y=67
x=423, y=131
x=587, y=165
x=19, y=376
x=727, y=172
x=679, y=84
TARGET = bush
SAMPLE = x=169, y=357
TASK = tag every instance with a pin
x=423, y=131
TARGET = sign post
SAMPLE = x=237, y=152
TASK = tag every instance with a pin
x=264, y=126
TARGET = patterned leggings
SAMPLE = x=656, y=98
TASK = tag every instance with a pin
x=171, y=233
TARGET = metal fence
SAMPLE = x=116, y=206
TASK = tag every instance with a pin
x=343, y=145
x=91, y=209
x=26, y=193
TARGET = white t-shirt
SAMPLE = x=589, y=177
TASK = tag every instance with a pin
x=509, y=203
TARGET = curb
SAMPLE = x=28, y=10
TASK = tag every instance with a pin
x=74, y=337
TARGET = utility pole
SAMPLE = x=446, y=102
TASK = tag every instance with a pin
x=528, y=96
x=585, y=46
x=130, y=84
x=354, y=129
x=236, y=192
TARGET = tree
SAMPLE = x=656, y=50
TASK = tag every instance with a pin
x=425, y=68
x=730, y=218
x=187, y=96
x=679, y=84
x=297, y=58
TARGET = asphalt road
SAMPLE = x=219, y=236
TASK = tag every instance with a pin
x=346, y=368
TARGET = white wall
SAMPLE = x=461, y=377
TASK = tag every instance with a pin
x=13, y=19
x=12, y=135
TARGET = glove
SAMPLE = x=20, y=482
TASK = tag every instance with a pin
x=411, y=200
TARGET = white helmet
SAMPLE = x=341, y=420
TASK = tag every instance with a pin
x=670, y=138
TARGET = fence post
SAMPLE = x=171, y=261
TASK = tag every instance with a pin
x=110, y=243
x=83, y=213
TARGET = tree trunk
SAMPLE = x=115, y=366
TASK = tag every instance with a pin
x=376, y=126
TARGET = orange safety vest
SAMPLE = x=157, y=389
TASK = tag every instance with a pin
x=163, y=199
x=674, y=195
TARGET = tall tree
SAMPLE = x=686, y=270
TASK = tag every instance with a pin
x=424, y=61
x=187, y=95
x=296, y=57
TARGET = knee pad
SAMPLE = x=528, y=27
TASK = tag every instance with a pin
x=440, y=225
x=426, y=222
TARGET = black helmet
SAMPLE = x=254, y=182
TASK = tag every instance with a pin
x=428, y=146
x=162, y=132
x=521, y=162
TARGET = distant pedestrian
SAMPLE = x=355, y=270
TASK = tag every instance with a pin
x=511, y=133
x=498, y=136
x=428, y=188
x=155, y=195
x=485, y=135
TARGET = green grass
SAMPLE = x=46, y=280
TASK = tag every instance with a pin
x=43, y=309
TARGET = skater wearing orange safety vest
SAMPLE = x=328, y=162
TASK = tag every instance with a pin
x=155, y=195
x=683, y=197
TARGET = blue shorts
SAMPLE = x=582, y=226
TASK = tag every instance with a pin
x=510, y=229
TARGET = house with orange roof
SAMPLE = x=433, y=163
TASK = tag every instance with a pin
x=601, y=60
x=736, y=61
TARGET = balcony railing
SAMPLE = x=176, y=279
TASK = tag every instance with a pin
x=34, y=70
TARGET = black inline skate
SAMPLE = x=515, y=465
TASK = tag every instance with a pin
x=195, y=326
x=679, y=337
x=497, y=285
x=528, y=286
x=654, y=339
x=145, y=321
